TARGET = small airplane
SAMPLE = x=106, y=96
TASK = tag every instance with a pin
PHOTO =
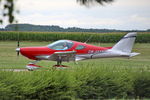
x=68, y=50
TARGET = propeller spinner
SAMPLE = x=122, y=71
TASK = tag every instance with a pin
x=18, y=49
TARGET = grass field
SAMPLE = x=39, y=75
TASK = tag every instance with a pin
x=90, y=79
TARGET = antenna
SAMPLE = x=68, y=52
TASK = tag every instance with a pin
x=88, y=39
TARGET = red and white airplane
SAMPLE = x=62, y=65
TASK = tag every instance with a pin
x=68, y=50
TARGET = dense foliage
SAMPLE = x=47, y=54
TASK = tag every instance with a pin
x=75, y=83
x=53, y=36
x=7, y=10
x=92, y=2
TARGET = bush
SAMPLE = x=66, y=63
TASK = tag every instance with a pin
x=142, y=85
x=75, y=83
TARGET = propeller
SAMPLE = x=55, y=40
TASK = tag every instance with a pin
x=18, y=42
x=18, y=51
x=18, y=45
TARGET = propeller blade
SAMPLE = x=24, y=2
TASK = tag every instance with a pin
x=18, y=53
x=18, y=44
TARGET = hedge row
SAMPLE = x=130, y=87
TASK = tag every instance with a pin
x=53, y=36
x=80, y=83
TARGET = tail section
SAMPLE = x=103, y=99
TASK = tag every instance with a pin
x=126, y=43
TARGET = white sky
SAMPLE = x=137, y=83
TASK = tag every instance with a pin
x=121, y=14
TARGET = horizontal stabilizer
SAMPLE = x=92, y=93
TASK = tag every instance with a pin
x=134, y=54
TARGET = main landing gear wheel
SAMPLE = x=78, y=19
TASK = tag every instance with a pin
x=60, y=66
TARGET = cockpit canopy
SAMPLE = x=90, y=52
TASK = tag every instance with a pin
x=61, y=45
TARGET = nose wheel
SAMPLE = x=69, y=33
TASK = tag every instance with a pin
x=31, y=66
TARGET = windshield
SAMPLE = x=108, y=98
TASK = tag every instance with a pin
x=61, y=45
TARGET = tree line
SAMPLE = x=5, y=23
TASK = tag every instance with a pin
x=55, y=28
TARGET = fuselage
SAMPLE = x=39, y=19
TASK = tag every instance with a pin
x=79, y=47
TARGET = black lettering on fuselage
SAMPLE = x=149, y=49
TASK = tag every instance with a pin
x=95, y=51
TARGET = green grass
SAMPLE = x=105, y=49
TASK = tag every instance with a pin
x=109, y=78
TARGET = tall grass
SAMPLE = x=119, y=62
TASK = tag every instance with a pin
x=85, y=82
x=53, y=36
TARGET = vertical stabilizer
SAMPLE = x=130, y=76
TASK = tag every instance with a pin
x=126, y=43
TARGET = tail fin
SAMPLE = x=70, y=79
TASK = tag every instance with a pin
x=126, y=43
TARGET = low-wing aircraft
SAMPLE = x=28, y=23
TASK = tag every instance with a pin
x=68, y=50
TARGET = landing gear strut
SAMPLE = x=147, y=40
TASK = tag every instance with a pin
x=59, y=63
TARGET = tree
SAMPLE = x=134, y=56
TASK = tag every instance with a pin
x=7, y=8
x=90, y=2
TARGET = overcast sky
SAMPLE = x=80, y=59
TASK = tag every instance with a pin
x=121, y=14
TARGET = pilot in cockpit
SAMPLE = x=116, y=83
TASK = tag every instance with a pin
x=65, y=46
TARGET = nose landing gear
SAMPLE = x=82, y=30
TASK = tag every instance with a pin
x=31, y=66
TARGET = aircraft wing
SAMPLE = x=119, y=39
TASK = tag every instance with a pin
x=63, y=56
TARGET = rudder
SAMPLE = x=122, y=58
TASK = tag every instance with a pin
x=126, y=43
